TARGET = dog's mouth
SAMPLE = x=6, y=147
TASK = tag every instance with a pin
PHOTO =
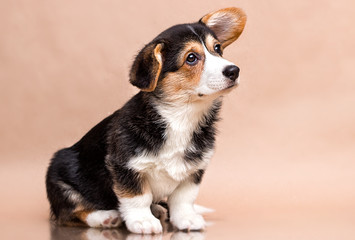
x=223, y=89
x=233, y=84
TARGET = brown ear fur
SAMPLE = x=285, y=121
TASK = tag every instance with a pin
x=227, y=24
x=147, y=67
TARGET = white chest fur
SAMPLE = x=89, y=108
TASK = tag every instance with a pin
x=168, y=168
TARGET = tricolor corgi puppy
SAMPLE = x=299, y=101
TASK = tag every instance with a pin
x=158, y=145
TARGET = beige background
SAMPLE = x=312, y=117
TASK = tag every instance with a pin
x=285, y=160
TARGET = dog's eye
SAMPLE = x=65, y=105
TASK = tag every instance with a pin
x=218, y=49
x=191, y=59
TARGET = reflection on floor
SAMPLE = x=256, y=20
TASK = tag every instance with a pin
x=75, y=233
x=159, y=211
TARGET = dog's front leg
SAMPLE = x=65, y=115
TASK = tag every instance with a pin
x=136, y=212
x=135, y=198
x=182, y=212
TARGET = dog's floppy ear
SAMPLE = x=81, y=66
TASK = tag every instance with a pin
x=227, y=24
x=147, y=67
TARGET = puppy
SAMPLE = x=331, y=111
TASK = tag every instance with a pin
x=157, y=146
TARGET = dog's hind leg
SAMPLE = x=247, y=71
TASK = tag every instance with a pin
x=69, y=208
x=99, y=218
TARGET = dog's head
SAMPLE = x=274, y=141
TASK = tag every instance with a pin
x=185, y=61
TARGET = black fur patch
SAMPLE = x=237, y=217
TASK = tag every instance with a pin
x=138, y=127
x=203, y=138
x=197, y=176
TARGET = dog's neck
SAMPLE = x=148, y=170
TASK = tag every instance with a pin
x=186, y=116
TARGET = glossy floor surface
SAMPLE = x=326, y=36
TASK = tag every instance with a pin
x=284, y=166
x=301, y=225
x=276, y=224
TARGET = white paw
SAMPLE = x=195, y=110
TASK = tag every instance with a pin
x=102, y=218
x=191, y=221
x=147, y=224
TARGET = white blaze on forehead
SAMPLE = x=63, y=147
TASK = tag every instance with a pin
x=212, y=78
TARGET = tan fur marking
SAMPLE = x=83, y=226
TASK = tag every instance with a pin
x=81, y=207
x=82, y=215
x=126, y=193
x=177, y=84
x=122, y=193
x=227, y=23
x=210, y=42
x=190, y=47
x=77, y=218
x=156, y=68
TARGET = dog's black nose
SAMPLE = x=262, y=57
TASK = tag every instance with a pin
x=231, y=72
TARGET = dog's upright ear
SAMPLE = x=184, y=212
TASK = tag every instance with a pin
x=227, y=24
x=147, y=67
